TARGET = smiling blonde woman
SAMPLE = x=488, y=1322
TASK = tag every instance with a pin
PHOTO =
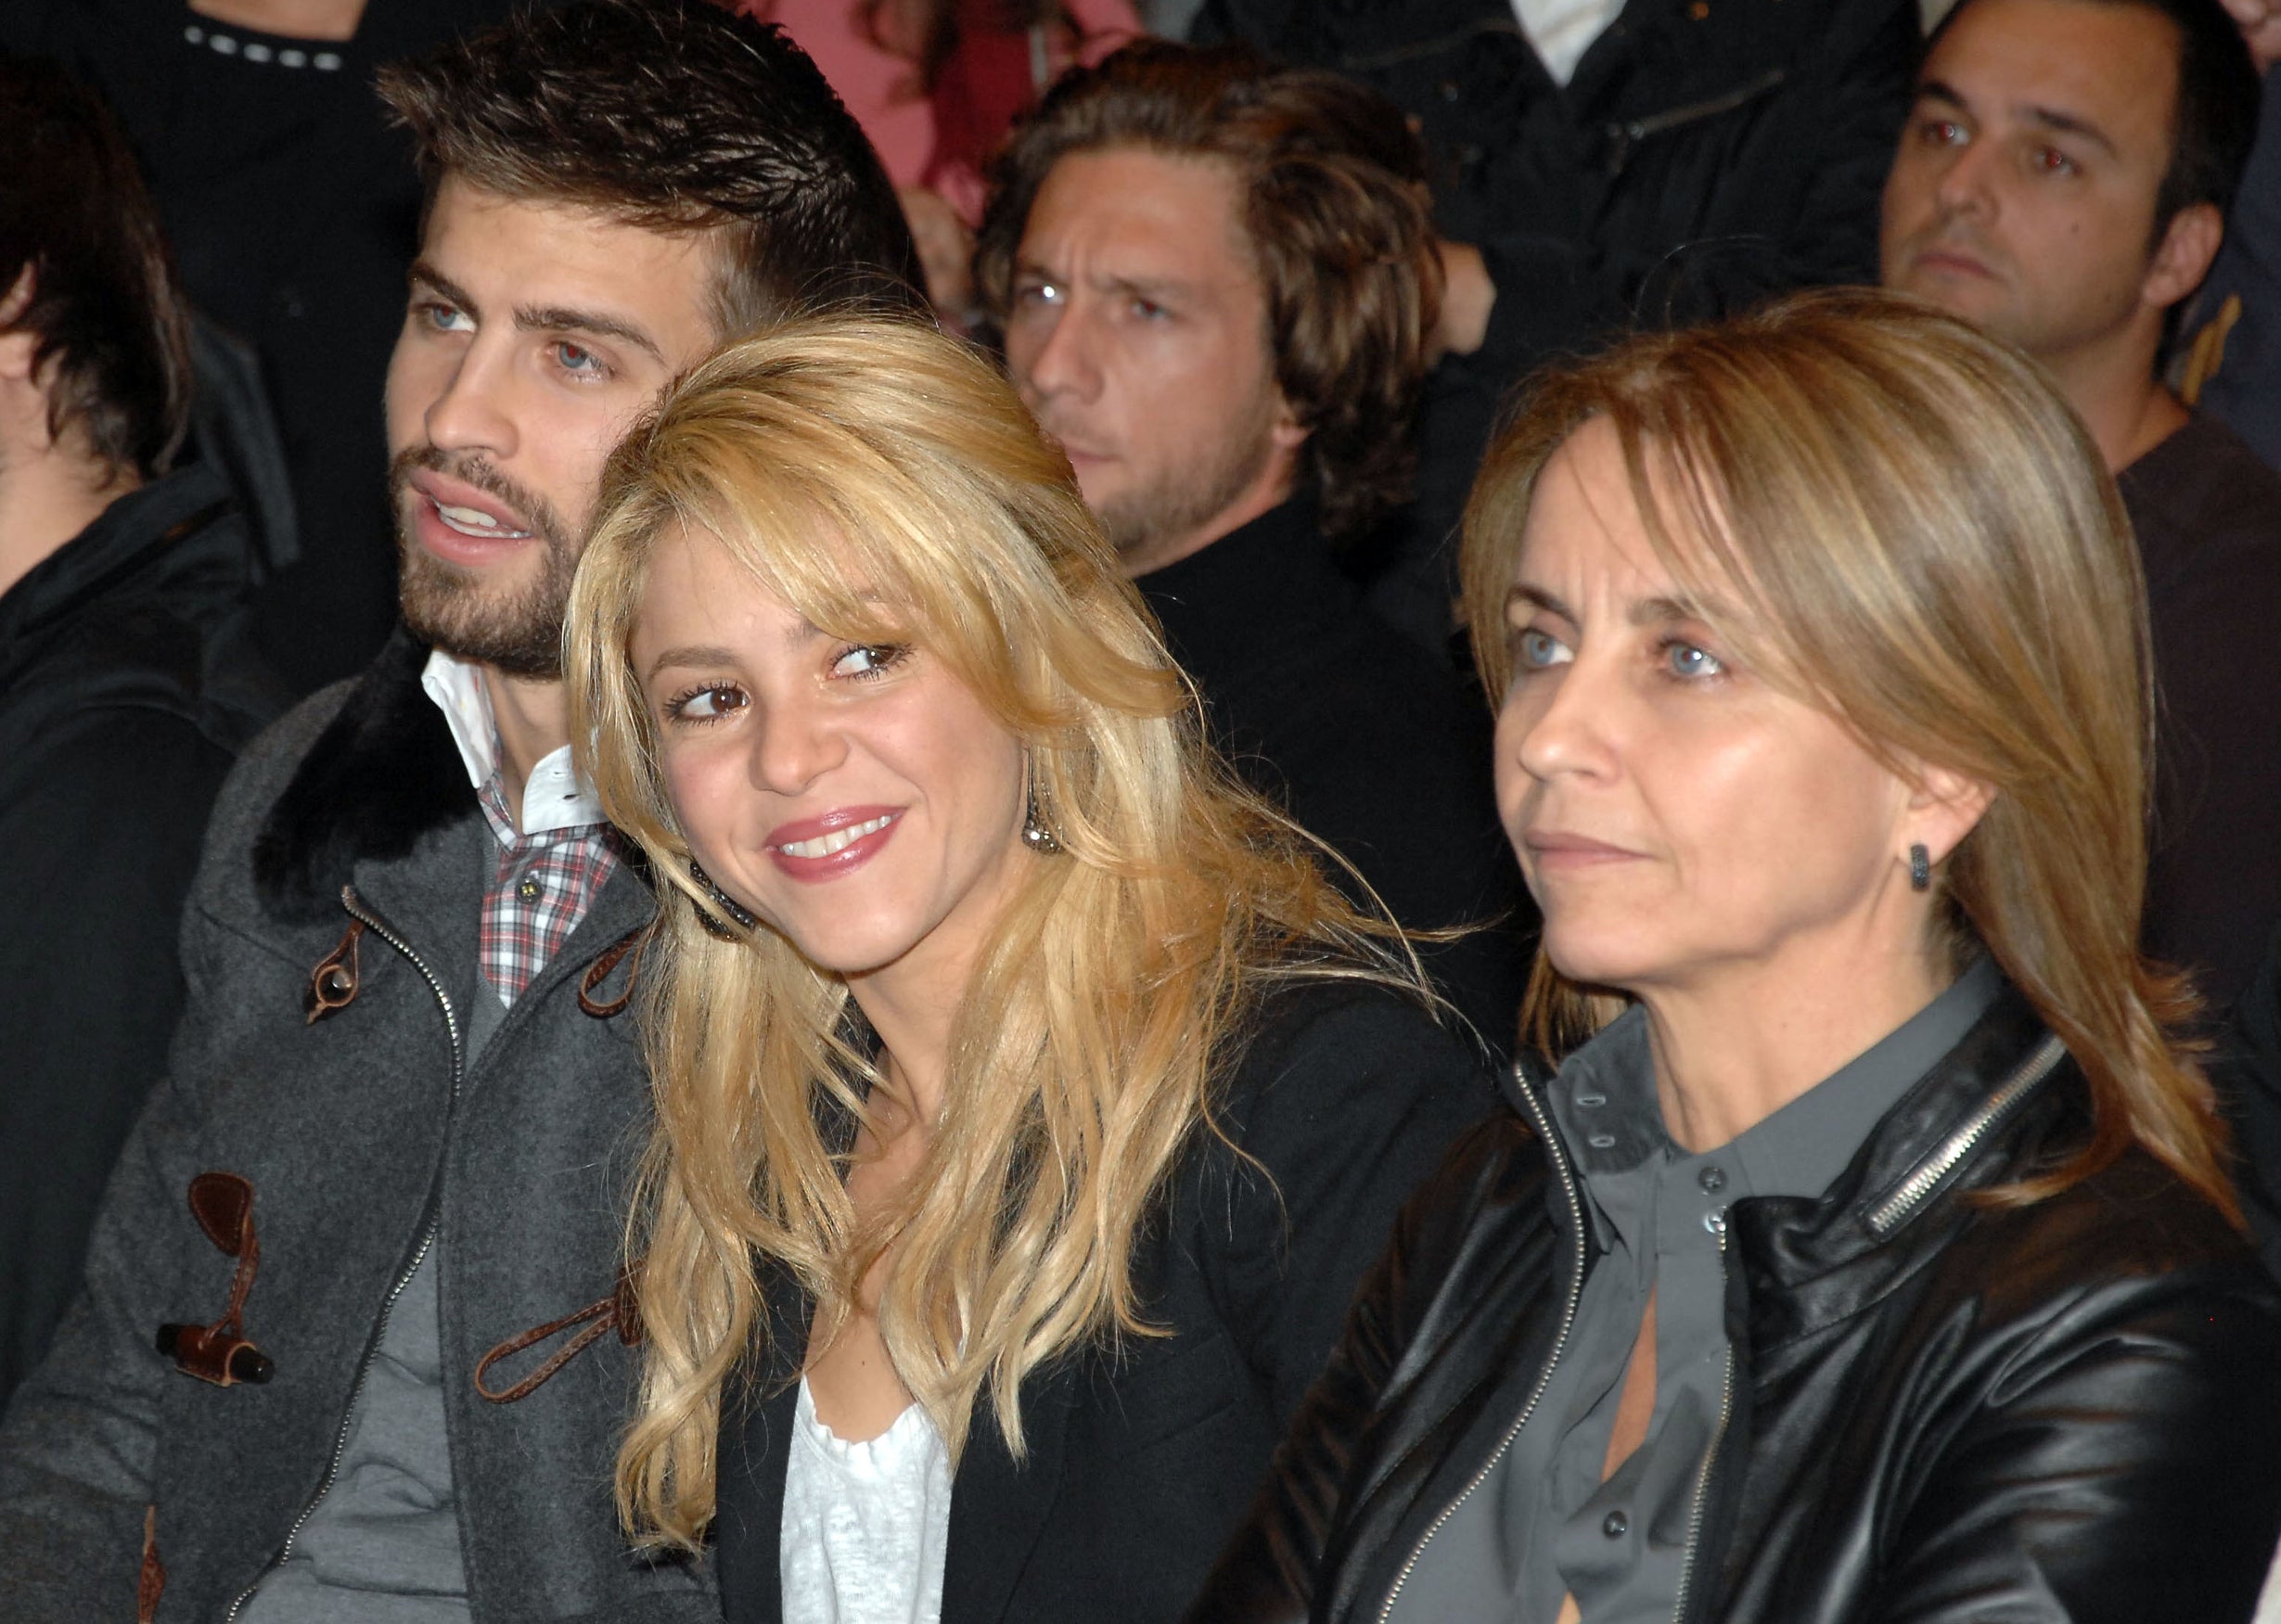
x=1028, y=1101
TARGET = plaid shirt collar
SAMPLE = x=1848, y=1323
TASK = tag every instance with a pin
x=553, y=861
x=540, y=887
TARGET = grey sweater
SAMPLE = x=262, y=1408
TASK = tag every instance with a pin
x=361, y=1141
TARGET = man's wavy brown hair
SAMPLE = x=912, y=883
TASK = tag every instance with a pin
x=1336, y=213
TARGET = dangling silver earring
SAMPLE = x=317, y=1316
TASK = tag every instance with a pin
x=1920, y=868
x=722, y=900
x=1036, y=833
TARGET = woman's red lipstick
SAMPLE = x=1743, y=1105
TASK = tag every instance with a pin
x=840, y=841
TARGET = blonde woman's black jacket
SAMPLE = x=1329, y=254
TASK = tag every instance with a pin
x=1141, y=1459
x=1939, y=1409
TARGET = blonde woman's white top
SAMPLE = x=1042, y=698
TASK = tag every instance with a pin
x=866, y=1525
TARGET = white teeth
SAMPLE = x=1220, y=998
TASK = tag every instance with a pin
x=474, y=521
x=837, y=840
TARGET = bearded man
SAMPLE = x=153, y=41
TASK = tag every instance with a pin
x=1218, y=282
x=351, y=1345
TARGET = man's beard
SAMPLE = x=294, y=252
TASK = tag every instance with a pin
x=448, y=607
x=1140, y=521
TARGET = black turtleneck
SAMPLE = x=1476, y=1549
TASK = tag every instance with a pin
x=1372, y=744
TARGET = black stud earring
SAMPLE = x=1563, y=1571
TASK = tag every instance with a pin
x=1920, y=868
x=722, y=900
x=1036, y=833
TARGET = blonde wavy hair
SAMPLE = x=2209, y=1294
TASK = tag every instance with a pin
x=886, y=482
x=1927, y=547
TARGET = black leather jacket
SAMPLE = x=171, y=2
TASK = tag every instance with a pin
x=1940, y=1408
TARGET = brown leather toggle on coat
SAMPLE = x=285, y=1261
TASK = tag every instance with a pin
x=223, y=1204
x=150, y=1582
x=626, y=949
x=332, y=985
x=620, y=1311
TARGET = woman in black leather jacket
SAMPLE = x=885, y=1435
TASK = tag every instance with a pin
x=1873, y=1258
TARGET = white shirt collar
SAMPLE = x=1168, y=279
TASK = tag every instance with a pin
x=556, y=797
x=1562, y=30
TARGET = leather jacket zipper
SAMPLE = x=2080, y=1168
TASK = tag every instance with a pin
x=1883, y=1218
x=1568, y=1321
x=380, y=927
x=1887, y=1214
x=1702, y=1477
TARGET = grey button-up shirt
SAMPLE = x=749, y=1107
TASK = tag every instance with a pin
x=1543, y=1523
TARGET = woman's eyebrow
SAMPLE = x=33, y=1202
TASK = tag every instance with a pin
x=688, y=654
x=1663, y=607
x=1526, y=593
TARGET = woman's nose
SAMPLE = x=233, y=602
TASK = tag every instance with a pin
x=1557, y=722
x=793, y=746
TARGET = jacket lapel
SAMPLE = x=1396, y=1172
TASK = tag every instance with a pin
x=383, y=774
x=999, y=1507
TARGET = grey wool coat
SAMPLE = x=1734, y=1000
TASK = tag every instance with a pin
x=130, y=1487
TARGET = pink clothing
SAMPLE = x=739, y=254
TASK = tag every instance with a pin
x=880, y=88
x=991, y=78
x=995, y=75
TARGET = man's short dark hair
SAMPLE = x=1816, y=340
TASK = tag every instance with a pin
x=104, y=303
x=2214, y=121
x=676, y=117
x=1334, y=204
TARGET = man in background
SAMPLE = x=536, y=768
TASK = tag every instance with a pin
x=127, y=683
x=350, y=1345
x=1598, y=164
x=1217, y=282
x=2063, y=182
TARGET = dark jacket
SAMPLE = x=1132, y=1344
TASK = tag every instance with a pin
x=127, y=686
x=2246, y=1068
x=2208, y=517
x=1940, y=1409
x=1702, y=156
x=1369, y=742
x=1141, y=1459
x=2234, y=320
x=350, y=828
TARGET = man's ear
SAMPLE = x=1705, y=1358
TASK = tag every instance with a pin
x=1945, y=806
x=2182, y=258
x=1286, y=433
x=18, y=350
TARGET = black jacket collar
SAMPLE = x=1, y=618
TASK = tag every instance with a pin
x=2006, y=1098
x=383, y=773
x=1811, y=1262
x=179, y=534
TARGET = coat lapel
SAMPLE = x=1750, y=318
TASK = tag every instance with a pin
x=999, y=1507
